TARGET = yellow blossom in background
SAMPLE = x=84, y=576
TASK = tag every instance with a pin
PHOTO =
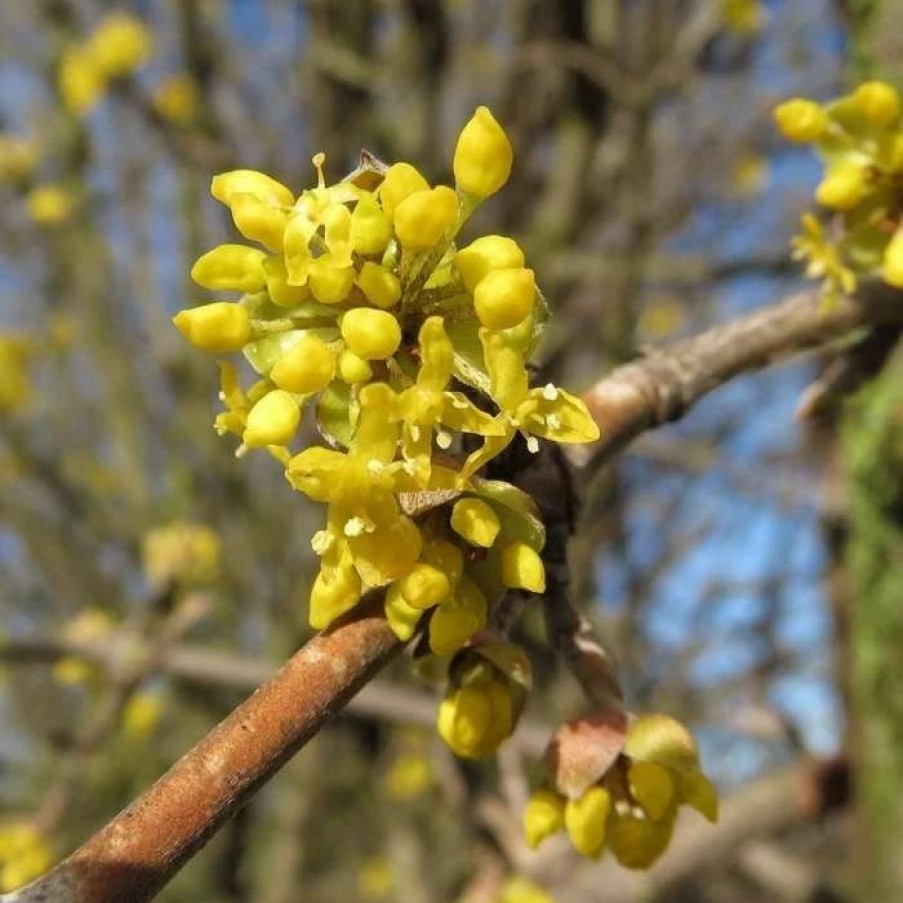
x=18, y=157
x=661, y=317
x=518, y=889
x=81, y=83
x=182, y=552
x=410, y=776
x=176, y=98
x=859, y=137
x=743, y=17
x=749, y=174
x=15, y=383
x=119, y=45
x=49, y=205
x=25, y=853
x=90, y=626
x=375, y=879
x=142, y=714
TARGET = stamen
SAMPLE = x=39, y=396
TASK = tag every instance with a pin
x=321, y=542
x=355, y=526
x=532, y=445
x=549, y=392
x=443, y=439
x=318, y=161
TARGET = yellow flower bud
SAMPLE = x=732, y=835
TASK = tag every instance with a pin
x=522, y=568
x=893, y=261
x=801, y=120
x=504, y=298
x=491, y=252
x=381, y=287
x=373, y=335
x=328, y=283
x=280, y=291
x=843, y=187
x=402, y=617
x=878, y=102
x=335, y=591
x=474, y=720
x=176, y=98
x=272, y=421
x=543, y=816
x=306, y=367
x=475, y=521
x=424, y=217
x=388, y=553
x=370, y=230
x=354, y=369
x=456, y=621
x=219, y=327
x=337, y=223
x=249, y=181
x=49, y=204
x=446, y=556
x=401, y=179
x=652, y=787
x=236, y=267
x=637, y=842
x=483, y=155
x=258, y=220
x=120, y=44
x=81, y=82
x=424, y=586
x=586, y=821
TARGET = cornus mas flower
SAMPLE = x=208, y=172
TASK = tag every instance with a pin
x=356, y=304
x=859, y=136
x=632, y=806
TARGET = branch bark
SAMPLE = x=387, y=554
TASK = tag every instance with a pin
x=135, y=854
x=666, y=383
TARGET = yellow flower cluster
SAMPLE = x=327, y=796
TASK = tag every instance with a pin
x=177, y=98
x=15, y=383
x=18, y=157
x=859, y=136
x=181, y=552
x=90, y=626
x=357, y=303
x=632, y=810
x=118, y=46
x=743, y=17
x=24, y=854
x=488, y=683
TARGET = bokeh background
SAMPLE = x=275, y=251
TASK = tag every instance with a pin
x=148, y=579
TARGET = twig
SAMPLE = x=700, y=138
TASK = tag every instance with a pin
x=669, y=380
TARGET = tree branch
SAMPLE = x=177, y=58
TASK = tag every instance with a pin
x=135, y=854
x=669, y=380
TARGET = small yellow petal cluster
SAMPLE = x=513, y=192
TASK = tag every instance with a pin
x=25, y=853
x=859, y=136
x=18, y=157
x=487, y=685
x=50, y=204
x=119, y=45
x=90, y=626
x=142, y=714
x=356, y=303
x=181, y=552
x=177, y=99
x=632, y=809
x=15, y=383
x=743, y=17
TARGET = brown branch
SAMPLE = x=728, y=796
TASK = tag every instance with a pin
x=134, y=855
x=669, y=380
